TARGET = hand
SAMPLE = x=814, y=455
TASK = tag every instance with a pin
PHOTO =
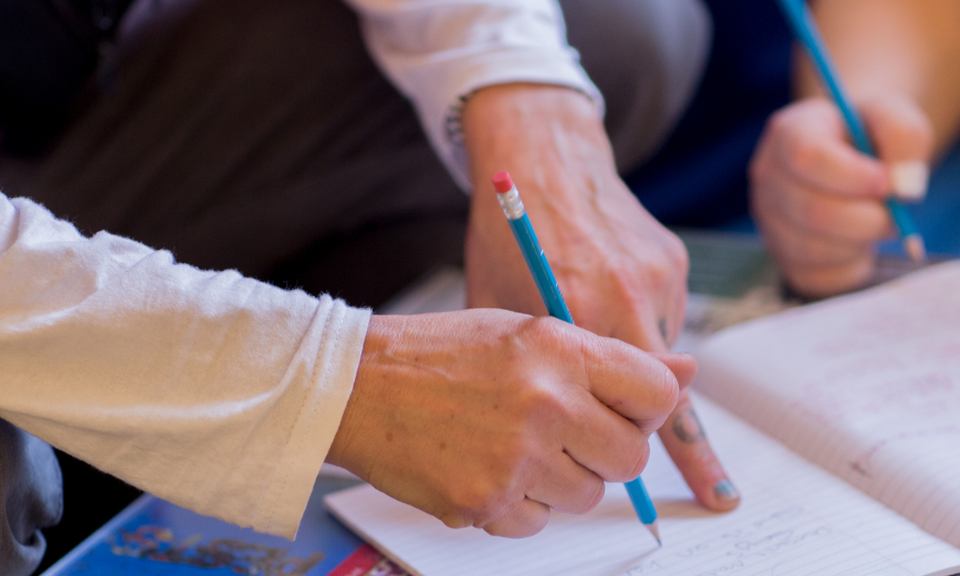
x=490, y=418
x=622, y=274
x=819, y=202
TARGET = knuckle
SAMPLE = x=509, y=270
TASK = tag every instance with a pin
x=700, y=457
x=593, y=491
x=781, y=122
x=453, y=520
x=678, y=255
x=524, y=522
x=548, y=332
x=803, y=154
x=476, y=502
x=621, y=277
x=635, y=460
x=813, y=213
x=664, y=393
x=669, y=388
x=542, y=406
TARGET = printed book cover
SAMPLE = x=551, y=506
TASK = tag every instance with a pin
x=152, y=537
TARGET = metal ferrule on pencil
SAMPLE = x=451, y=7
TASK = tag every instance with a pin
x=511, y=204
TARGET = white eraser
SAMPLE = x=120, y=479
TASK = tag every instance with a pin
x=909, y=180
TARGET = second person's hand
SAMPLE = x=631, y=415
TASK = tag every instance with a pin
x=819, y=202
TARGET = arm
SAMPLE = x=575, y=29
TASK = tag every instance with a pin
x=224, y=394
x=217, y=392
x=816, y=199
x=883, y=48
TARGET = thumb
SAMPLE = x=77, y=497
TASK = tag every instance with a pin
x=904, y=139
x=683, y=366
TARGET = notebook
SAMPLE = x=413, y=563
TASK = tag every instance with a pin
x=866, y=386
x=839, y=422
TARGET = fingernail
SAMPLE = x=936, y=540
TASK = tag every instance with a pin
x=664, y=332
x=909, y=180
x=725, y=491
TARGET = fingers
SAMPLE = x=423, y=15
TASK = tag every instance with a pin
x=808, y=143
x=624, y=449
x=686, y=443
x=633, y=383
x=565, y=485
x=899, y=129
x=824, y=215
x=604, y=442
x=817, y=266
x=524, y=518
x=620, y=396
x=905, y=140
x=683, y=366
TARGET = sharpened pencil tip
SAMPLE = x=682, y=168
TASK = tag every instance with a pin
x=655, y=531
x=913, y=245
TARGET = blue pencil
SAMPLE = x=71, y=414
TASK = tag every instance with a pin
x=543, y=276
x=806, y=31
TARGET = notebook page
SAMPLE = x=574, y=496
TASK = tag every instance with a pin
x=866, y=386
x=795, y=519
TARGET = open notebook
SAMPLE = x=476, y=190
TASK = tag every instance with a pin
x=865, y=391
x=865, y=386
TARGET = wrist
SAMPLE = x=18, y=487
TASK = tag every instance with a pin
x=520, y=127
x=349, y=437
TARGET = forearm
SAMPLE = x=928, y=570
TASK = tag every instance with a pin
x=209, y=389
x=909, y=48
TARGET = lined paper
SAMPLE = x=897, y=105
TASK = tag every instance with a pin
x=795, y=519
x=866, y=386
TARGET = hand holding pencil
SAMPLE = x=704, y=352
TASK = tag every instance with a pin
x=820, y=203
x=684, y=423
x=831, y=172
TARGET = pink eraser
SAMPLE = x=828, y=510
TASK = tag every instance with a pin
x=502, y=182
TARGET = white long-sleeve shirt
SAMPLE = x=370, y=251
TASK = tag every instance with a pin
x=215, y=391
x=439, y=51
x=220, y=393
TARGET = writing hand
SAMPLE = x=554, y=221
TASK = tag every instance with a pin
x=490, y=418
x=819, y=202
x=622, y=274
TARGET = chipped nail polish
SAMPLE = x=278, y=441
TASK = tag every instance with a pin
x=724, y=490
